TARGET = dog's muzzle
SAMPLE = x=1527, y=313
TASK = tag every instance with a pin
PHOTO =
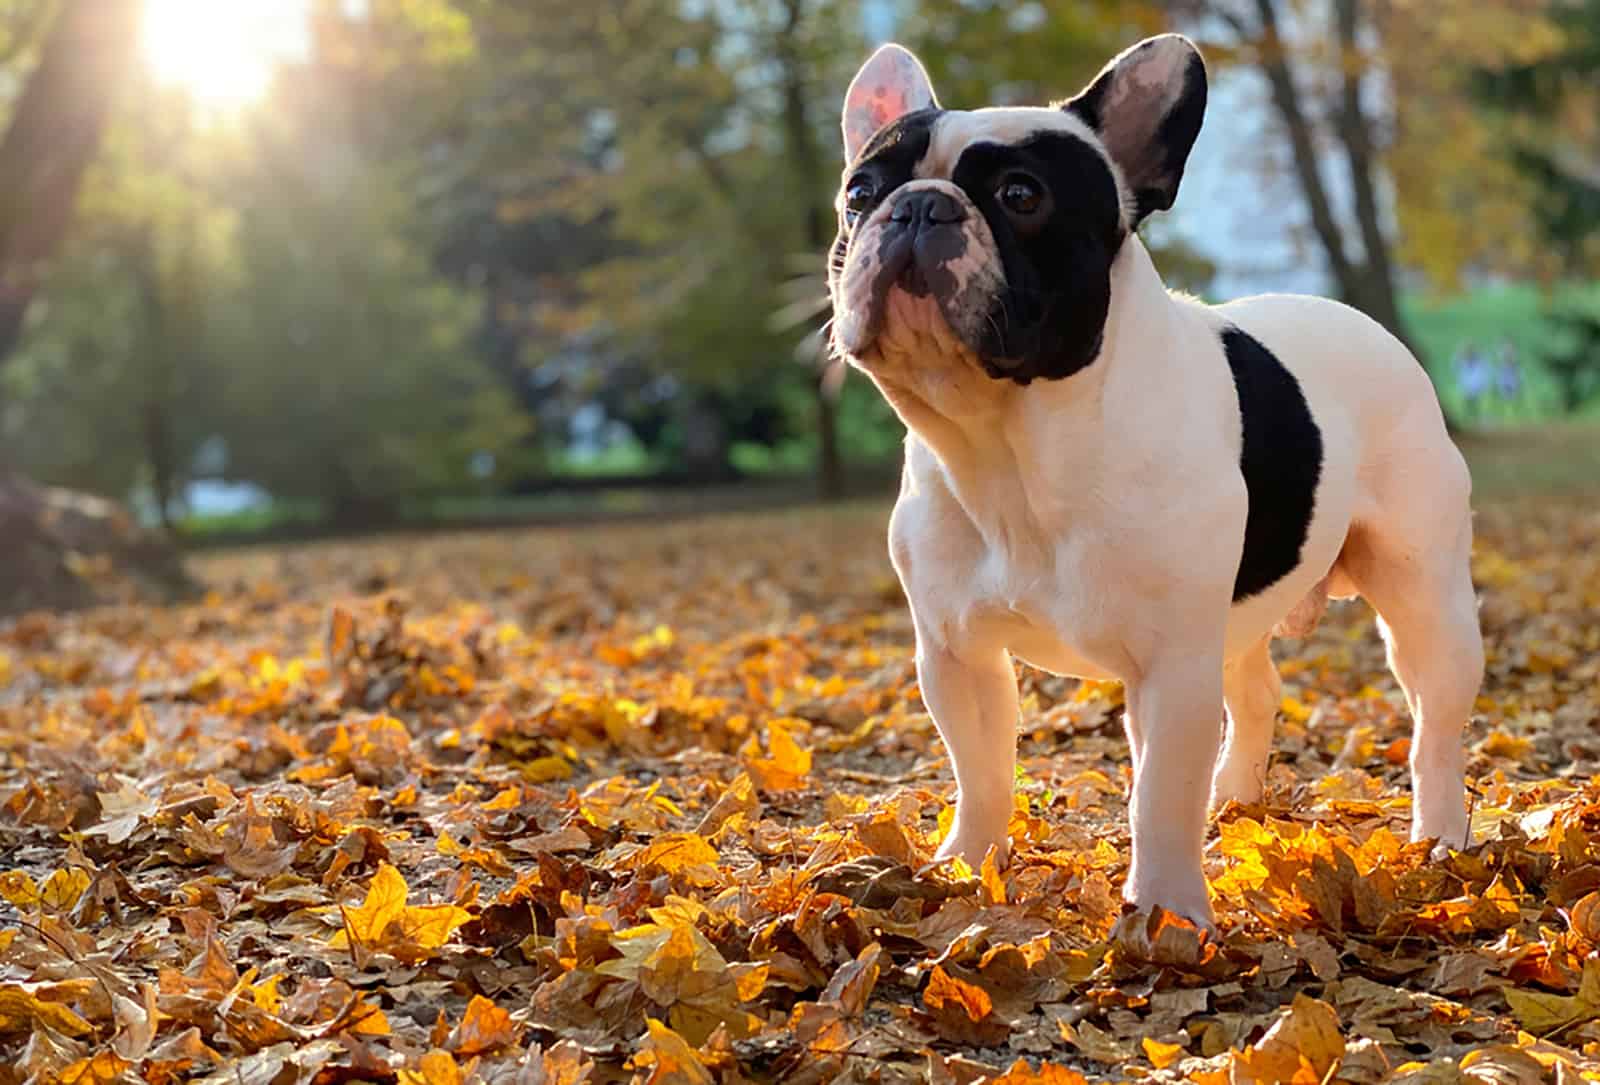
x=928, y=241
x=922, y=238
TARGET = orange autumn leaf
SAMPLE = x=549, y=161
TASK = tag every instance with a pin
x=787, y=763
x=945, y=991
x=485, y=1028
x=670, y=853
x=103, y=1068
x=1161, y=1055
x=1048, y=1073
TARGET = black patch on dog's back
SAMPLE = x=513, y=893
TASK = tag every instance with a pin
x=1281, y=459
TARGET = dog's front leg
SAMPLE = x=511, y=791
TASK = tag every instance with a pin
x=1176, y=704
x=973, y=700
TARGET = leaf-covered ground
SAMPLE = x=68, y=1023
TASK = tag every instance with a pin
x=659, y=802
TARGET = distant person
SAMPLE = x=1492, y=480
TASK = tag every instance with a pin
x=1508, y=375
x=1472, y=376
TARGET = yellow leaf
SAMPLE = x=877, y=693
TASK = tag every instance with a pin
x=20, y=1011
x=1048, y=1074
x=265, y=994
x=1500, y=744
x=434, y=1068
x=669, y=1058
x=367, y=1019
x=340, y=639
x=544, y=770
x=62, y=889
x=672, y=852
x=386, y=902
x=994, y=886
x=1161, y=1055
x=19, y=889
x=428, y=926
x=1303, y=1045
x=1540, y=1013
x=787, y=764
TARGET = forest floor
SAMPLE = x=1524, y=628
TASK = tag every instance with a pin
x=659, y=801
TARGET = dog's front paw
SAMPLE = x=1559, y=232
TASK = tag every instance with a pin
x=1236, y=783
x=1448, y=827
x=1186, y=897
x=973, y=847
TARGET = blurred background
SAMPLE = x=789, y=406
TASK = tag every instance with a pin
x=282, y=268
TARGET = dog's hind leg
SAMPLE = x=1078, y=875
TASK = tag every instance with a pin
x=1413, y=567
x=1251, y=691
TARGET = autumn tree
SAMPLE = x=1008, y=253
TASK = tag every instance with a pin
x=77, y=54
x=1396, y=168
x=1546, y=109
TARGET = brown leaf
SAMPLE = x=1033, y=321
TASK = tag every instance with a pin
x=1300, y=1049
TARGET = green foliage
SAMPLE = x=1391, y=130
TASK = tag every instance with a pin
x=112, y=388
x=349, y=378
x=1546, y=110
x=989, y=52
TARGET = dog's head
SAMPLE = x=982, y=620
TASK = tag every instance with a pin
x=987, y=237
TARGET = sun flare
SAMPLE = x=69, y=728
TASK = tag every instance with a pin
x=221, y=51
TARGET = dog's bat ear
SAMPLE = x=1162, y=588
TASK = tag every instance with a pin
x=1146, y=106
x=889, y=85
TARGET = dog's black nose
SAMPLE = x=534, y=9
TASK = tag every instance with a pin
x=927, y=207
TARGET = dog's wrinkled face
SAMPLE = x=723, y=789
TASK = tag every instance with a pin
x=986, y=238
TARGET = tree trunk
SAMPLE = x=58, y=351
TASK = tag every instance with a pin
x=154, y=344
x=807, y=163
x=1274, y=61
x=1370, y=284
x=1378, y=297
x=53, y=137
x=63, y=549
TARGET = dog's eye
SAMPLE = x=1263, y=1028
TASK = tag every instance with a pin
x=857, y=198
x=1020, y=195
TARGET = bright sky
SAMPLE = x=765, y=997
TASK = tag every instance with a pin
x=222, y=51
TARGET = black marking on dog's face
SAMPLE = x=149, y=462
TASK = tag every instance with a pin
x=890, y=157
x=1049, y=321
x=1281, y=459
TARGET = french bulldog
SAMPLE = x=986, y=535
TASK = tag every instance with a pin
x=1112, y=481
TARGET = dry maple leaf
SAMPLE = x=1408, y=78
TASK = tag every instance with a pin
x=21, y=1011
x=1542, y=1013
x=385, y=922
x=1301, y=1048
x=787, y=764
